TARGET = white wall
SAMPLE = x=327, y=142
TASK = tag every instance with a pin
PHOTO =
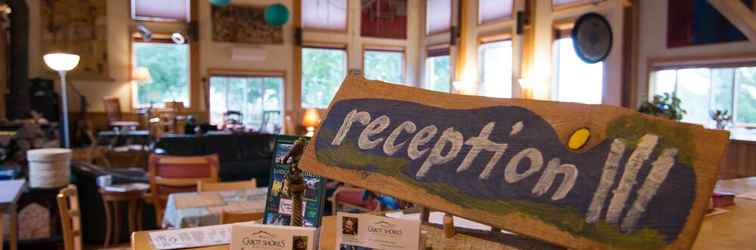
x=355, y=42
x=653, y=44
x=541, y=70
x=118, y=58
x=217, y=55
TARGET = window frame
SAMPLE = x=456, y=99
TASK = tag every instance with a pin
x=317, y=45
x=441, y=50
x=488, y=39
x=333, y=31
x=559, y=7
x=393, y=49
x=159, y=38
x=499, y=20
x=227, y=72
x=451, y=20
x=134, y=17
x=563, y=29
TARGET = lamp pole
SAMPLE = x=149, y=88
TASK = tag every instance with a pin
x=64, y=97
x=62, y=63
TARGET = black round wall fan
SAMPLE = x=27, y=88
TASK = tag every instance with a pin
x=592, y=37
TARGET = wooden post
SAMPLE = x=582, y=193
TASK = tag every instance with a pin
x=425, y=215
x=449, y=225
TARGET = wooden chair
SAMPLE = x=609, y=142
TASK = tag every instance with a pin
x=167, y=119
x=70, y=217
x=204, y=186
x=352, y=198
x=172, y=174
x=232, y=217
x=95, y=153
x=2, y=222
x=115, y=116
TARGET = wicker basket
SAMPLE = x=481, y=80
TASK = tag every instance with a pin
x=49, y=167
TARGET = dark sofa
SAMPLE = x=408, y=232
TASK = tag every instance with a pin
x=242, y=155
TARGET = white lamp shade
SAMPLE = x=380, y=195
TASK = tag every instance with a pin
x=61, y=61
x=141, y=74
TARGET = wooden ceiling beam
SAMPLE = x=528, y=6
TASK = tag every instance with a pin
x=740, y=15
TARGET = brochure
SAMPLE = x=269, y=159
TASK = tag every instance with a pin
x=272, y=237
x=368, y=232
x=279, y=205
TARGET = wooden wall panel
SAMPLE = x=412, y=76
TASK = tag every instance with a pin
x=739, y=161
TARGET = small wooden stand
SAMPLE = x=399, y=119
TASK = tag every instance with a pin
x=295, y=181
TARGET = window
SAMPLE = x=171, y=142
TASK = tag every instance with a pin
x=705, y=89
x=494, y=10
x=258, y=98
x=438, y=15
x=568, y=3
x=163, y=10
x=168, y=64
x=384, y=65
x=323, y=70
x=496, y=68
x=383, y=19
x=575, y=80
x=438, y=70
x=324, y=15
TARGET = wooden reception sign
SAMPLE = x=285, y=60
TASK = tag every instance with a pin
x=637, y=182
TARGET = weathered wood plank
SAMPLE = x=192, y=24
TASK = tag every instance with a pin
x=505, y=162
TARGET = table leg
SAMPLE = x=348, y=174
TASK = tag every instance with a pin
x=108, y=223
x=132, y=216
x=117, y=226
x=140, y=206
x=13, y=228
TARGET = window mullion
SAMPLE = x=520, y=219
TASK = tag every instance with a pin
x=735, y=88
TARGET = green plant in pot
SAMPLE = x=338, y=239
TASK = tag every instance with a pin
x=665, y=105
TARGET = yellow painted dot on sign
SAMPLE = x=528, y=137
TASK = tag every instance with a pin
x=579, y=138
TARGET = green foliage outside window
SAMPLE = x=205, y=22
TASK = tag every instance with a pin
x=168, y=64
x=252, y=96
x=438, y=73
x=323, y=70
x=387, y=66
x=746, y=96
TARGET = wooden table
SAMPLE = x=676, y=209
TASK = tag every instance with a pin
x=245, y=200
x=735, y=229
x=732, y=230
x=10, y=191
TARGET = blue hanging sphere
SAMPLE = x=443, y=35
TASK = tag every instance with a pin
x=276, y=14
x=220, y=3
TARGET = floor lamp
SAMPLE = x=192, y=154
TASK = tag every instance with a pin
x=62, y=63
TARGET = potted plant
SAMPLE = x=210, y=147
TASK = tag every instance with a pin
x=665, y=105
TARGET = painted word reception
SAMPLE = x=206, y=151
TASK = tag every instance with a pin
x=580, y=176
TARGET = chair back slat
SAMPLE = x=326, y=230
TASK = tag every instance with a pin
x=171, y=174
x=112, y=108
x=236, y=217
x=70, y=217
x=208, y=186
